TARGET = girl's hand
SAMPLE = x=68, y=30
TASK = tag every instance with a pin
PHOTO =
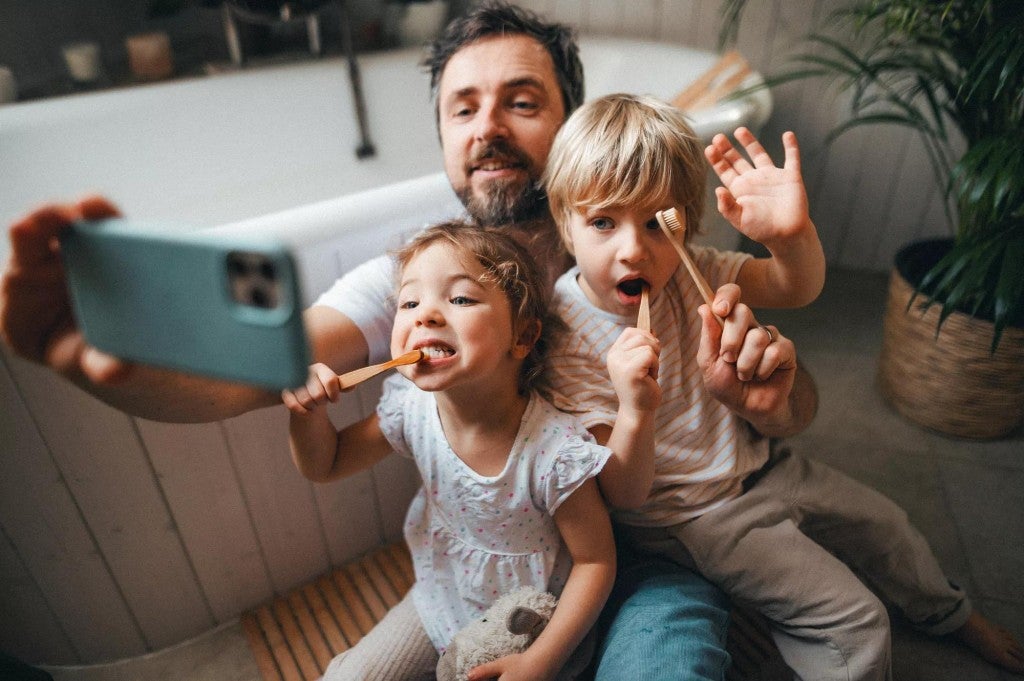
x=321, y=387
x=761, y=200
x=633, y=362
x=509, y=668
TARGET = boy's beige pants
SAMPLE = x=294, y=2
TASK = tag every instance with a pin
x=772, y=549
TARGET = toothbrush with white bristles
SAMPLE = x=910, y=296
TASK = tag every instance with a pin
x=675, y=230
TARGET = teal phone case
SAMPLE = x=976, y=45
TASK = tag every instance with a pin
x=224, y=308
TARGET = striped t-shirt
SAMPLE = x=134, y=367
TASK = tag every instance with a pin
x=703, y=451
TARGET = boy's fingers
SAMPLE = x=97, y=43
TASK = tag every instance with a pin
x=731, y=154
x=727, y=205
x=792, y=148
x=758, y=155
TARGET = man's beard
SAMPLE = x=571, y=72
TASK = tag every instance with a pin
x=506, y=202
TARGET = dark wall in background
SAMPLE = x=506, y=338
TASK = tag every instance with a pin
x=33, y=31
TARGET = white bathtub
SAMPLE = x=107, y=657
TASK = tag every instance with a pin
x=120, y=535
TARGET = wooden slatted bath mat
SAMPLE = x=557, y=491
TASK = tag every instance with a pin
x=294, y=637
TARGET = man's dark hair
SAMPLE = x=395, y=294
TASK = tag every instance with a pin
x=500, y=18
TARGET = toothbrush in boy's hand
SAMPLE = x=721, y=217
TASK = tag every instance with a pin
x=353, y=378
x=643, y=319
x=674, y=229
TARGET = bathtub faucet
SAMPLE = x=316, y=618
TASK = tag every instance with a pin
x=234, y=10
x=365, y=147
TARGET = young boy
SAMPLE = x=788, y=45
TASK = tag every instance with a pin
x=688, y=408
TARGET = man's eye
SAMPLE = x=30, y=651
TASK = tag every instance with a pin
x=526, y=104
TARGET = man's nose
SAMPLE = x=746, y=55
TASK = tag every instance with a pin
x=491, y=123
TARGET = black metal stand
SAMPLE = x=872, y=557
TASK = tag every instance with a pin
x=232, y=14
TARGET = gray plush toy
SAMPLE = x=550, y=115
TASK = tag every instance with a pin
x=509, y=626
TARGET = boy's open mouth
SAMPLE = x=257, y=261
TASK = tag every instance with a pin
x=630, y=289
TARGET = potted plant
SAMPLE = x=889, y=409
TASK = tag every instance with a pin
x=953, y=70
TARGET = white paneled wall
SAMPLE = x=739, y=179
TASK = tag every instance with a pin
x=89, y=523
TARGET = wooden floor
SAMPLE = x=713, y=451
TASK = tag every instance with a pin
x=294, y=637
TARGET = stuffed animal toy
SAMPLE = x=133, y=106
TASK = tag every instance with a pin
x=509, y=626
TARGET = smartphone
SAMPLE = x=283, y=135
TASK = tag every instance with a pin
x=222, y=307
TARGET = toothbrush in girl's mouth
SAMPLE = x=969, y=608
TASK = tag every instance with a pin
x=356, y=377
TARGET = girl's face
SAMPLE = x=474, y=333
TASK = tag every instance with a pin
x=619, y=250
x=463, y=326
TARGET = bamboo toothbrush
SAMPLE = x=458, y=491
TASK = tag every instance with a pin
x=356, y=377
x=675, y=230
x=643, y=319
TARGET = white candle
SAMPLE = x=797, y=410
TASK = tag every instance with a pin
x=83, y=61
x=8, y=86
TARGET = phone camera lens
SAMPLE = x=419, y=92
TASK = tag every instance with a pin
x=259, y=298
x=236, y=266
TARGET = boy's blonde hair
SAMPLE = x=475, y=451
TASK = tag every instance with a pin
x=622, y=150
x=508, y=266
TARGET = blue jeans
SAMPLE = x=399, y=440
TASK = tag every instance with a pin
x=662, y=622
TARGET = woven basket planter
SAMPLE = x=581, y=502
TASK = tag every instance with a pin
x=950, y=382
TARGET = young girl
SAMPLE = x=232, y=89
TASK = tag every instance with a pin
x=688, y=408
x=508, y=498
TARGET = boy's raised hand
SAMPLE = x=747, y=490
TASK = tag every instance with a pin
x=766, y=203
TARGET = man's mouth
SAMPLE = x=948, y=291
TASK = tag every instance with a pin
x=496, y=166
x=497, y=157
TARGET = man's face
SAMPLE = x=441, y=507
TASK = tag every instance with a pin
x=499, y=107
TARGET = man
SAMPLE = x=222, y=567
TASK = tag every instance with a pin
x=504, y=82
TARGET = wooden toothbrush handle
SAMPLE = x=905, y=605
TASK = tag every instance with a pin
x=698, y=279
x=357, y=376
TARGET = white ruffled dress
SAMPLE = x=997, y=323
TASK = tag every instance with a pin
x=473, y=537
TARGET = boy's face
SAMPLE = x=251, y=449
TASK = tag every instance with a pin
x=499, y=107
x=619, y=250
x=463, y=326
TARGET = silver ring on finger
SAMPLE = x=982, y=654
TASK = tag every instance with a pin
x=771, y=334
